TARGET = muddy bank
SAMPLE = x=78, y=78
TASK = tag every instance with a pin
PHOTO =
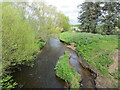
x=87, y=77
x=109, y=82
x=80, y=59
x=100, y=80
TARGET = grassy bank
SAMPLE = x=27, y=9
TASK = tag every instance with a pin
x=96, y=49
x=66, y=72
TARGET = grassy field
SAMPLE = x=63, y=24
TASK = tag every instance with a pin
x=96, y=49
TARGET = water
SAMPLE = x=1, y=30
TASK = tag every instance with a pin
x=86, y=75
x=42, y=75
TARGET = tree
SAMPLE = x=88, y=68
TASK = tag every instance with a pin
x=23, y=26
x=18, y=39
x=89, y=15
x=45, y=19
x=99, y=14
x=110, y=16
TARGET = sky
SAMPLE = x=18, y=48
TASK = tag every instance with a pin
x=67, y=7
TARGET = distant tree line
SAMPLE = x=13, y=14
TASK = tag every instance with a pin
x=100, y=17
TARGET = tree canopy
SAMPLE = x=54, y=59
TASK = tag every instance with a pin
x=18, y=38
x=45, y=19
x=99, y=17
x=24, y=25
x=25, y=28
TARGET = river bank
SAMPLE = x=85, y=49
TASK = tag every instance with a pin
x=96, y=51
x=42, y=75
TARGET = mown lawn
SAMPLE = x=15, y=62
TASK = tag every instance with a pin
x=94, y=48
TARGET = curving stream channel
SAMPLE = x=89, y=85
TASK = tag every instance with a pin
x=42, y=75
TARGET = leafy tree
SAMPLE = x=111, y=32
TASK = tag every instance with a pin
x=89, y=15
x=99, y=14
x=110, y=16
x=45, y=19
x=23, y=27
x=62, y=21
x=18, y=39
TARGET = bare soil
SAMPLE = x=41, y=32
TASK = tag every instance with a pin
x=108, y=82
x=71, y=46
x=114, y=66
x=102, y=81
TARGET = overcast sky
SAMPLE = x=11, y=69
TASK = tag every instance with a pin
x=68, y=7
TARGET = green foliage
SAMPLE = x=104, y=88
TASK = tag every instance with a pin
x=116, y=73
x=116, y=76
x=7, y=81
x=94, y=48
x=89, y=15
x=18, y=37
x=41, y=44
x=99, y=14
x=24, y=31
x=19, y=45
x=63, y=22
x=66, y=72
x=45, y=19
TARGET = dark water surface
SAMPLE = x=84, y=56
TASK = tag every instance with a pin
x=42, y=75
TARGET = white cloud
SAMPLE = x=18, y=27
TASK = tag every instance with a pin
x=68, y=7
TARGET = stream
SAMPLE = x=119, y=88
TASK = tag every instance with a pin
x=42, y=75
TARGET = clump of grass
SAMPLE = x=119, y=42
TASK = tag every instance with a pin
x=66, y=72
x=41, y=44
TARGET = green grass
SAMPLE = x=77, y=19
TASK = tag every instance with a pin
x=41, y=44
x=94, y=48
x=66, y=72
